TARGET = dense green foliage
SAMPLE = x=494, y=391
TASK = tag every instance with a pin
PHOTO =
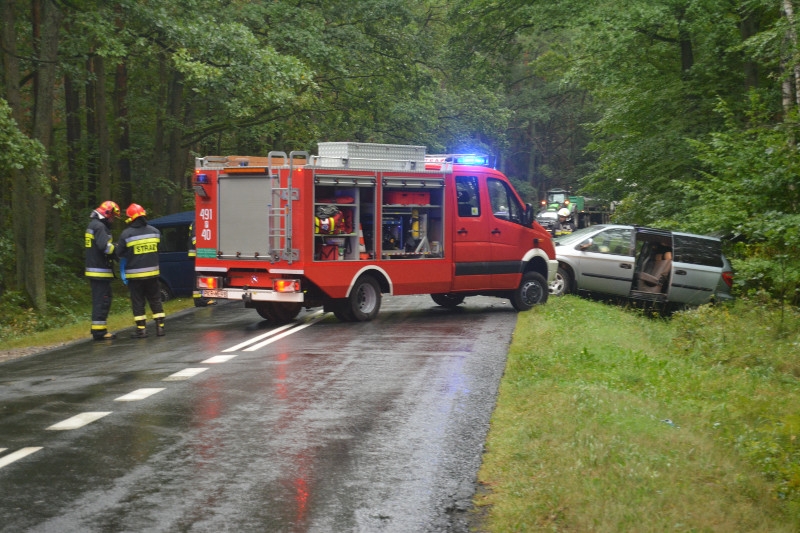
x=685, y=111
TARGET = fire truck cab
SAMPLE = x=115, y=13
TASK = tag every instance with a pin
x=339, y=229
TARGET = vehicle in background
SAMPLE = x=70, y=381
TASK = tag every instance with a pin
x=584, y=211
x=643, y=264
x=548, y=219
x=176, y=266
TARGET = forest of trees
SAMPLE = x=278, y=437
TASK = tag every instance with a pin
x=685, y=111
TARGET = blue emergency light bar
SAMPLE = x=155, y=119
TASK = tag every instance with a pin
x=476, y=160
x=201, y=178
x=460, y=159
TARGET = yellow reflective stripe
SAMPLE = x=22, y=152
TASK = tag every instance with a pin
x=143, y=317
x=139, y=275
x=99, y=274
x=159, y=315
x=148, y=240
x=99, y=326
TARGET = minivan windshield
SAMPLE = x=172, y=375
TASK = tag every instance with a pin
x=577, y=236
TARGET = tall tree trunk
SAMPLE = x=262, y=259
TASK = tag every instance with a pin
x=793, y=66
x=72, y=104
x=11, y=79
x=101, y=127
x=158, y=164
x=36, y=217
x=123, y=127
x=176, y=159
x=748, y=27
x=91, y=137
x=121, y=122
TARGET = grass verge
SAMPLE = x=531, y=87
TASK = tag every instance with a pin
x=121, y=317
x=611, y=421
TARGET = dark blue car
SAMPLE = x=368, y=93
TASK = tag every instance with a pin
x=177, y=268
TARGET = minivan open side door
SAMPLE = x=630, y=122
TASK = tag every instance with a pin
x=696, y=268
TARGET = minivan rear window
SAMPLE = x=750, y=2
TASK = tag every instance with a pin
x=696, y=250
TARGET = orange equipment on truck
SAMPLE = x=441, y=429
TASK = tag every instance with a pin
x=341, y=228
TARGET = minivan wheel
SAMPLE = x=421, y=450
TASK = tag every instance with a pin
x=166, y=294
x=532, y=291
x=562, y=284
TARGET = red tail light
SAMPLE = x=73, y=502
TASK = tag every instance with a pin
x=728, y=278
x=286, y=285
x=209, y=282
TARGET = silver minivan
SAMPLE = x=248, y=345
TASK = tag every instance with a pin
x=642, y=263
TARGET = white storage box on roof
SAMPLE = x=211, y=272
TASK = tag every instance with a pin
x=372, y=151
x=370, y=156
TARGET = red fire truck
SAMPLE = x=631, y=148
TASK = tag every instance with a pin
x=341, y=228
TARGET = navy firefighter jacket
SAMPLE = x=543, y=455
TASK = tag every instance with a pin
x=99, y=248
x=138, y=245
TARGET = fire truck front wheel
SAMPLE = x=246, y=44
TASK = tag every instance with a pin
x=450, y=301
x=532, y=290
x=365, y=299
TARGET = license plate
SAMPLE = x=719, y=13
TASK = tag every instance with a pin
x=213, y=293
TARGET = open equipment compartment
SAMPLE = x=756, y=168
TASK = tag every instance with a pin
x=343, y=207
x=412, y=220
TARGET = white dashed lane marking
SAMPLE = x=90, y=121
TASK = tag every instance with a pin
x=139, y=394
x=186, y=373
x=80, y=420
x=17, y=455
x=217, y=359
x=83, y=419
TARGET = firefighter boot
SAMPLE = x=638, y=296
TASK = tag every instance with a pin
x=140, y=332
x=103, y=336
x=160, y=327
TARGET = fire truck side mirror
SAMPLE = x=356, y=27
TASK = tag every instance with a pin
x=527, y=216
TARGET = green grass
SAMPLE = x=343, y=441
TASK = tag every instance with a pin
x=611, y=421
x=68, y=318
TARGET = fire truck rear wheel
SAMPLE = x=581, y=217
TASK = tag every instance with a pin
x=365, y=299
x=341, y=310
x=532, y=290
x=450, y=301
x=279, y=313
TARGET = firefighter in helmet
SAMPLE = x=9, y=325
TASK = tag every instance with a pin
x=564, y=224
x=99, y=268
x=137, y=249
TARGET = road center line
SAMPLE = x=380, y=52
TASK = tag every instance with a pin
x=186, y=373
x=312, y=316
x=80, y=420
x=217, y=359
x=285, y=333
x=139, y=394
x=256, y=339
x=17, y=455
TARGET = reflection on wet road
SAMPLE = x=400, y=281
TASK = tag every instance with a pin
x=231, y=424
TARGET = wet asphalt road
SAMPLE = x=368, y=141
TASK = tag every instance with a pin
x=227, y=424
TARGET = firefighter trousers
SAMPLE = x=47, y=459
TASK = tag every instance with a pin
x=146, y=290
x=101, y=305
